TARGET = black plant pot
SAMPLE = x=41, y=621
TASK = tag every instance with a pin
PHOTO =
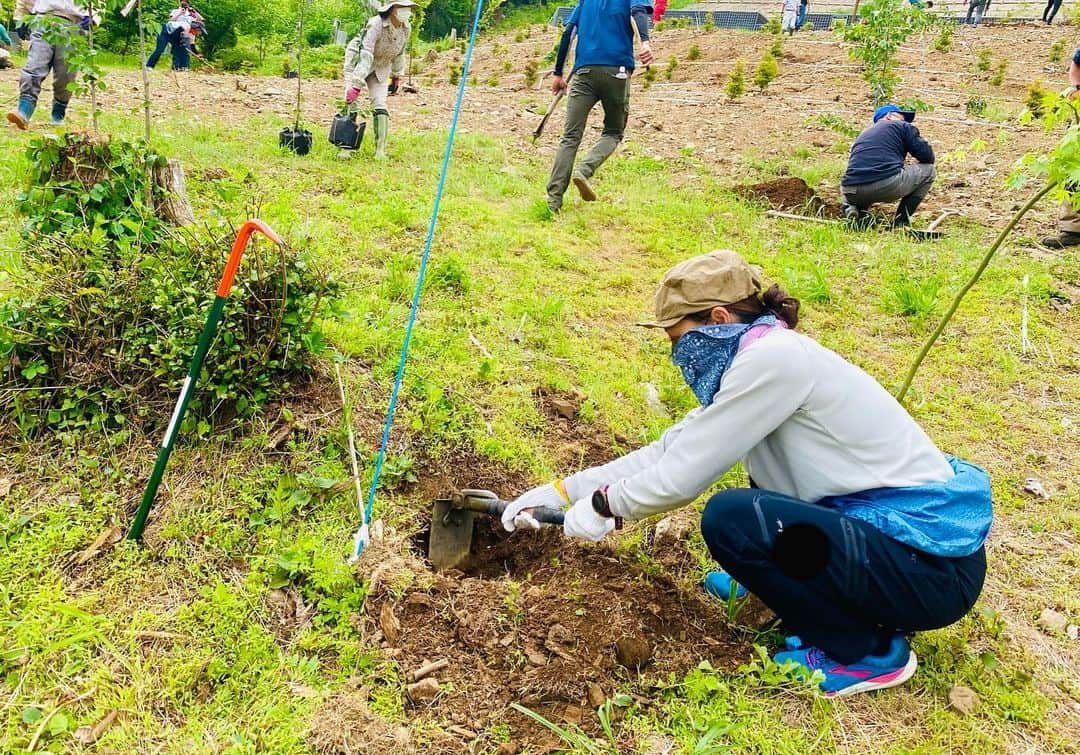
x=298, y=140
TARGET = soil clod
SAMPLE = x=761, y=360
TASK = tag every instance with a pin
x=633, y=652
x=789, y=193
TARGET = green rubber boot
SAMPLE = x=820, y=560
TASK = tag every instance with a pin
x=382, y=130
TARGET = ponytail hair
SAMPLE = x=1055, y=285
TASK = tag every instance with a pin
x=774, y=301
x=782, y=305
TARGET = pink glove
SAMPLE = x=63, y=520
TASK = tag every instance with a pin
x=351, y=95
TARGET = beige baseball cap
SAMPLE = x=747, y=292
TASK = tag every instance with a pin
x=709, y=280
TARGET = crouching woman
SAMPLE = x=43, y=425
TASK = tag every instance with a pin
x=855, y=530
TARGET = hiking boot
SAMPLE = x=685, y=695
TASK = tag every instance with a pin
x=719, y=584
x=895, y=666
x=1061, y=241
x=583, y=187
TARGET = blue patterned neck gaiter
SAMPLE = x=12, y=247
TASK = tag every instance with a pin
x=704, y=354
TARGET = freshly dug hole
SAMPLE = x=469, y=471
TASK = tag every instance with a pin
x=537, y=619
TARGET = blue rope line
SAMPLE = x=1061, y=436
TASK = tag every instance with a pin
x=420, y=277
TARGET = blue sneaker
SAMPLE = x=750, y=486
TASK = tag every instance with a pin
x=719, y=583
x=894, y=667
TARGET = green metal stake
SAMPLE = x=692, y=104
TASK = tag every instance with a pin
x=209, y=330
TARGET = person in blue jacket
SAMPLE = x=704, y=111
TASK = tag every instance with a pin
x=603, y=64
x=878, y=171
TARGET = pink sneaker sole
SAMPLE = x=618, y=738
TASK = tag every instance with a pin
x=891, y=679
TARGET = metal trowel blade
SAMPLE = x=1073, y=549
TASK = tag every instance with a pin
x=451, y=535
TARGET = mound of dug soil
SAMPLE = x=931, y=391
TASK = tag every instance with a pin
x=537, y=619
x=790, y=194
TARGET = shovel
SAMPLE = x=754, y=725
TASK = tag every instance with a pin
x=452, y=524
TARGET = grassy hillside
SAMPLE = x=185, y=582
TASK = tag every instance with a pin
x=239, y=628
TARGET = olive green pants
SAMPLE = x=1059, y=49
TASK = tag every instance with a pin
x=589, y=85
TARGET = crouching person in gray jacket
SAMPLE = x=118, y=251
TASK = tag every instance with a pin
x=855, y=529
x=46, y=54
x=877, y=172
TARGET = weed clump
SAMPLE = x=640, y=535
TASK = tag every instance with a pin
x=1057, y=50
x=944, y=40
x=999, y=73
x=767, y=70
x=105, y=312
x=532, y=69
x=736, y=83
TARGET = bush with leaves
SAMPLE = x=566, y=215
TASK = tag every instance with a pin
x=1035, y=100
x=1057, y=50
x=883, y=27
x=736, y=83
x=767, y=70
x=104, y=313
x=944, y=40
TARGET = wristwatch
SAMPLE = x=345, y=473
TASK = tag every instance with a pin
x=602, y=508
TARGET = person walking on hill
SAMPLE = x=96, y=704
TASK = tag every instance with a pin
x=1051, y=9
x=876, y=170
x=375, y=59
x=804, y=8
x=603, y=64
x=854, y=532
x=49, y=55
x=789, y=16
x=976, y=10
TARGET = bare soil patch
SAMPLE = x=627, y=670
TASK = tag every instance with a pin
x=544, y=621
x=790, y=194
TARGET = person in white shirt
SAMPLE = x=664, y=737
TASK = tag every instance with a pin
x=789, y=16
x=856, y=530
x=375, y=59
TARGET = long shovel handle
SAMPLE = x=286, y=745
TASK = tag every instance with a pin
x=205, y=339
x=488, y=503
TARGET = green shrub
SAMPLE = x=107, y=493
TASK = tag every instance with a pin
x=776, y=49
x=532, y=69
x=454, y=72
x=105, y=310
x=736, y=83
x=648, y=77
x=238, y=59
x=767, y=70
x=1036, y=97
x=694, y=52
x=984, y=59
x=772, y=26
x=884, y=26
x=975, y=106
x=507, y=65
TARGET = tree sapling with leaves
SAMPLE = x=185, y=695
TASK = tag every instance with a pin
x=57, y=31
x=884, y=26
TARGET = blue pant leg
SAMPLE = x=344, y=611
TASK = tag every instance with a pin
x=159, y=49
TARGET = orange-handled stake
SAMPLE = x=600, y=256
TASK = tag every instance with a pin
x=212, y=320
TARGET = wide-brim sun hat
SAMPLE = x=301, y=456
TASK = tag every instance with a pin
x=398, y=3
x=710, y=280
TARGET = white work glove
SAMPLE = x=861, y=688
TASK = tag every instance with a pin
x=583, y=522
x=517, y=513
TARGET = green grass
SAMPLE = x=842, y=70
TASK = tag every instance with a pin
x=178, y=637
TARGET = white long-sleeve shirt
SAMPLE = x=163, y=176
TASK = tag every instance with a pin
x=63, y=8
x=379, y=50
x=806, y=423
